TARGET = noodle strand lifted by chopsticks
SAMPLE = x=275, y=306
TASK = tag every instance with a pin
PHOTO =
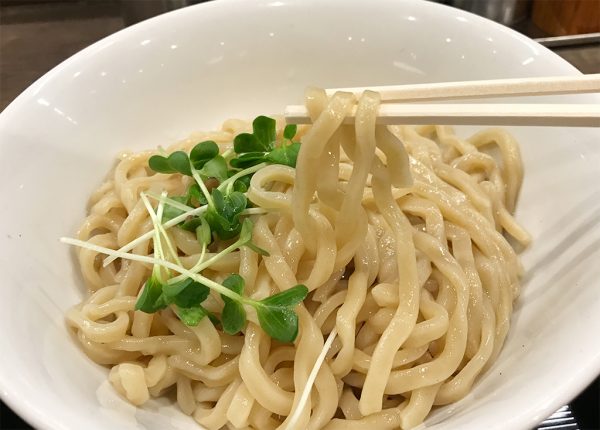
x=397, y=232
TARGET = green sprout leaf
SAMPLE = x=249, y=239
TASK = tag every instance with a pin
x=160, y=164
x=186, y=293
x=279, y=323
x=258, y=249
x=215, y=168
x=286, y=155
x=234, y=315
x=195, y=197
x=247, y=142
x=288, y=298
x=178, y=161
x=203, y=152
x=191, y=224
x=276, y=313
x=259, y=146
x=290, y=131
x=224, y=218
x=233, y=204
x=264, y=128
x=152, y=299
x=203, y=233
x=222, y=227
x=242, y=184
x=170, y=212
x=248, y=159
x=191, y=316
x=245, y=238
x=262, y=138
x=246, y=231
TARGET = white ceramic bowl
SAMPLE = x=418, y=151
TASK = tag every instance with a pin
x=189, y=70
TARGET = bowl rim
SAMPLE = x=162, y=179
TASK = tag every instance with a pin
x=125, y=32
x=38, y=417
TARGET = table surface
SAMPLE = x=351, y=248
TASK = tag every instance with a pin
x=37, y=35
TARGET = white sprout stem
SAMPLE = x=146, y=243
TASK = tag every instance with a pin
x=228, y=183
x=202, y=186
x=295, y=416
x=170, y=202
x=158, y=227
x=155, y=261
x=161, y=206
x=158, y=224
x=197, y=211
x=200, y=266
x=148, y=235
x=227, y=153
x=202, y=255
x=158, y=242
x=158, y=251
x=194, y=269
x=116, y=253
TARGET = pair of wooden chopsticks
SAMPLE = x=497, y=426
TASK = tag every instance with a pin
x=405, y=112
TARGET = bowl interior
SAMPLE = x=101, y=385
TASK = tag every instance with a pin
x=189, y=70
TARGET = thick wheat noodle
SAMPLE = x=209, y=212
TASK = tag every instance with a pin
x=398, y=233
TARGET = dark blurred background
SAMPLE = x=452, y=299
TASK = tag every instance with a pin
x=36, y=35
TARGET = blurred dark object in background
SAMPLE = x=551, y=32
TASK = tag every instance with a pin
x=139, y=10
x=565, y=17
x=25, y=11
x=586, y=407
x=507, y=12
x=11, y=421
x=21, y=2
